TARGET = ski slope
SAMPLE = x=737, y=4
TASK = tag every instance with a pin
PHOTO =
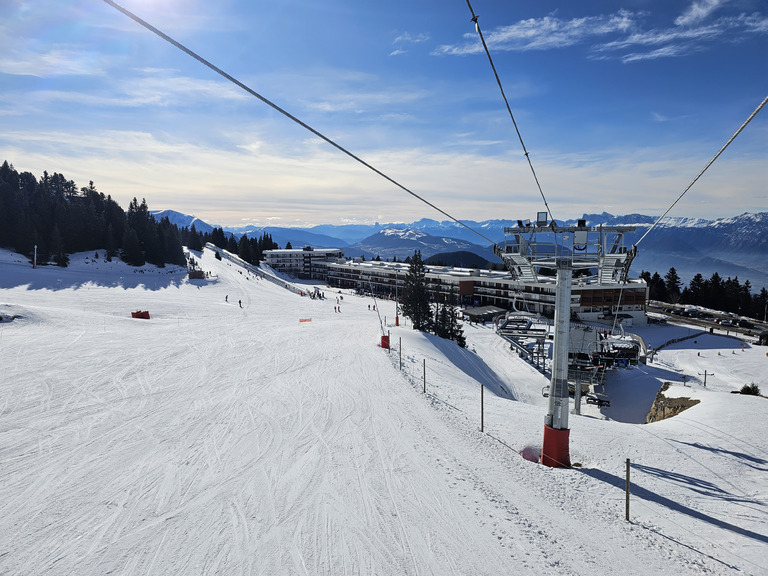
x=280, y=438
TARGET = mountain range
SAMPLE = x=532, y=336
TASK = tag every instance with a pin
x=732, y=247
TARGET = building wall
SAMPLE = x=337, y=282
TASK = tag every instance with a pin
x=593, y=302
x=307, y=263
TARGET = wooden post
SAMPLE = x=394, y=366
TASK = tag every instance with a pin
x=425, y=376
x=482, y=416
x=627, y=491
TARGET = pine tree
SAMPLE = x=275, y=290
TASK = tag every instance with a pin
x=455, y=331
x=59, y=255
x=415, y=299
x=672, y=283
x=132, y=253
x=174, y=251
x=244, y=249
x=440, y=326
x=657, y=290
x=193, y=240
x=218, y=238
x=696, y=289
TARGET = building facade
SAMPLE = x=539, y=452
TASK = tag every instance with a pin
x=591, y=299
x=306, y=263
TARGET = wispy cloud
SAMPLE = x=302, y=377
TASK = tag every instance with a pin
x=406, y=39
x=620, y=35
x=313, y=180
x=60, y=61
x=698, y=11
x=682, y=40
x=365, y=101
x=544, y=33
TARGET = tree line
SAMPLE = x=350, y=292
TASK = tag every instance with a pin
x=727, y=295
x=438, y=318
x=54, y=216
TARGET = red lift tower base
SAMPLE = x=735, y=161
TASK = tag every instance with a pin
x=555, y=452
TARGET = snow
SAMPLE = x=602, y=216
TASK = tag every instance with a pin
x=214, y=439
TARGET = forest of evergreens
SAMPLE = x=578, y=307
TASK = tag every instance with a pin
x=52, y=214
x=716, y=293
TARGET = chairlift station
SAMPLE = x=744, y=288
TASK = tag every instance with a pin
x=541, y=249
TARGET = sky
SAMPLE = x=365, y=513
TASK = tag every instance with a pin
x=619, y=106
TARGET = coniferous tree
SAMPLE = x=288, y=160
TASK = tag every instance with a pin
x=132, y=252
x=672, y=284
x=415, y=299
x=455, y=331
x=760, y=305
x=174, y=251
x=193, y=240
x=696, y=289
x=60, y=257
x=218, y=238
x=244, y=249
x=111, y=245
x=440, y=322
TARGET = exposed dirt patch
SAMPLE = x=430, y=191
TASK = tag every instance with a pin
x=664, y=407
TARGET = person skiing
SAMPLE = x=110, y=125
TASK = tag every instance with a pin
x=240, y=302
x=226, y=298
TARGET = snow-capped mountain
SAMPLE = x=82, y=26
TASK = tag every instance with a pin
x=732, y=247
x=401, y=242
x=183, y=220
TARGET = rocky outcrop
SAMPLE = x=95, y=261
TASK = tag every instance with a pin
x=664, y=407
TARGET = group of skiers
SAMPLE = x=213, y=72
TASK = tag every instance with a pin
x=226, y=299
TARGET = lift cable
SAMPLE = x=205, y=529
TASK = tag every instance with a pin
x=219, y=71
x=509, y=109
x=731, y=139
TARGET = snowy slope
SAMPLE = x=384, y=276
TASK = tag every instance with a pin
x=214, y=439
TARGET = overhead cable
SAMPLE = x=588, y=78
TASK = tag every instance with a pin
x=731, y=139
x=509, y=109
x=235, y=81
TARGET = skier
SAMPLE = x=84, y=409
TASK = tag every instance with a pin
x=240, y=302
x=226, y=298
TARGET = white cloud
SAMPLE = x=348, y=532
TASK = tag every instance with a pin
x=318, y=185
x=407, y=38
x=698, y=11
x=665, y=52
x=544, y=33
x=60, y=61
x=623, y=30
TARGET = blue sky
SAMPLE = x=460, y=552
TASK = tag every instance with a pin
x=619, y=104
